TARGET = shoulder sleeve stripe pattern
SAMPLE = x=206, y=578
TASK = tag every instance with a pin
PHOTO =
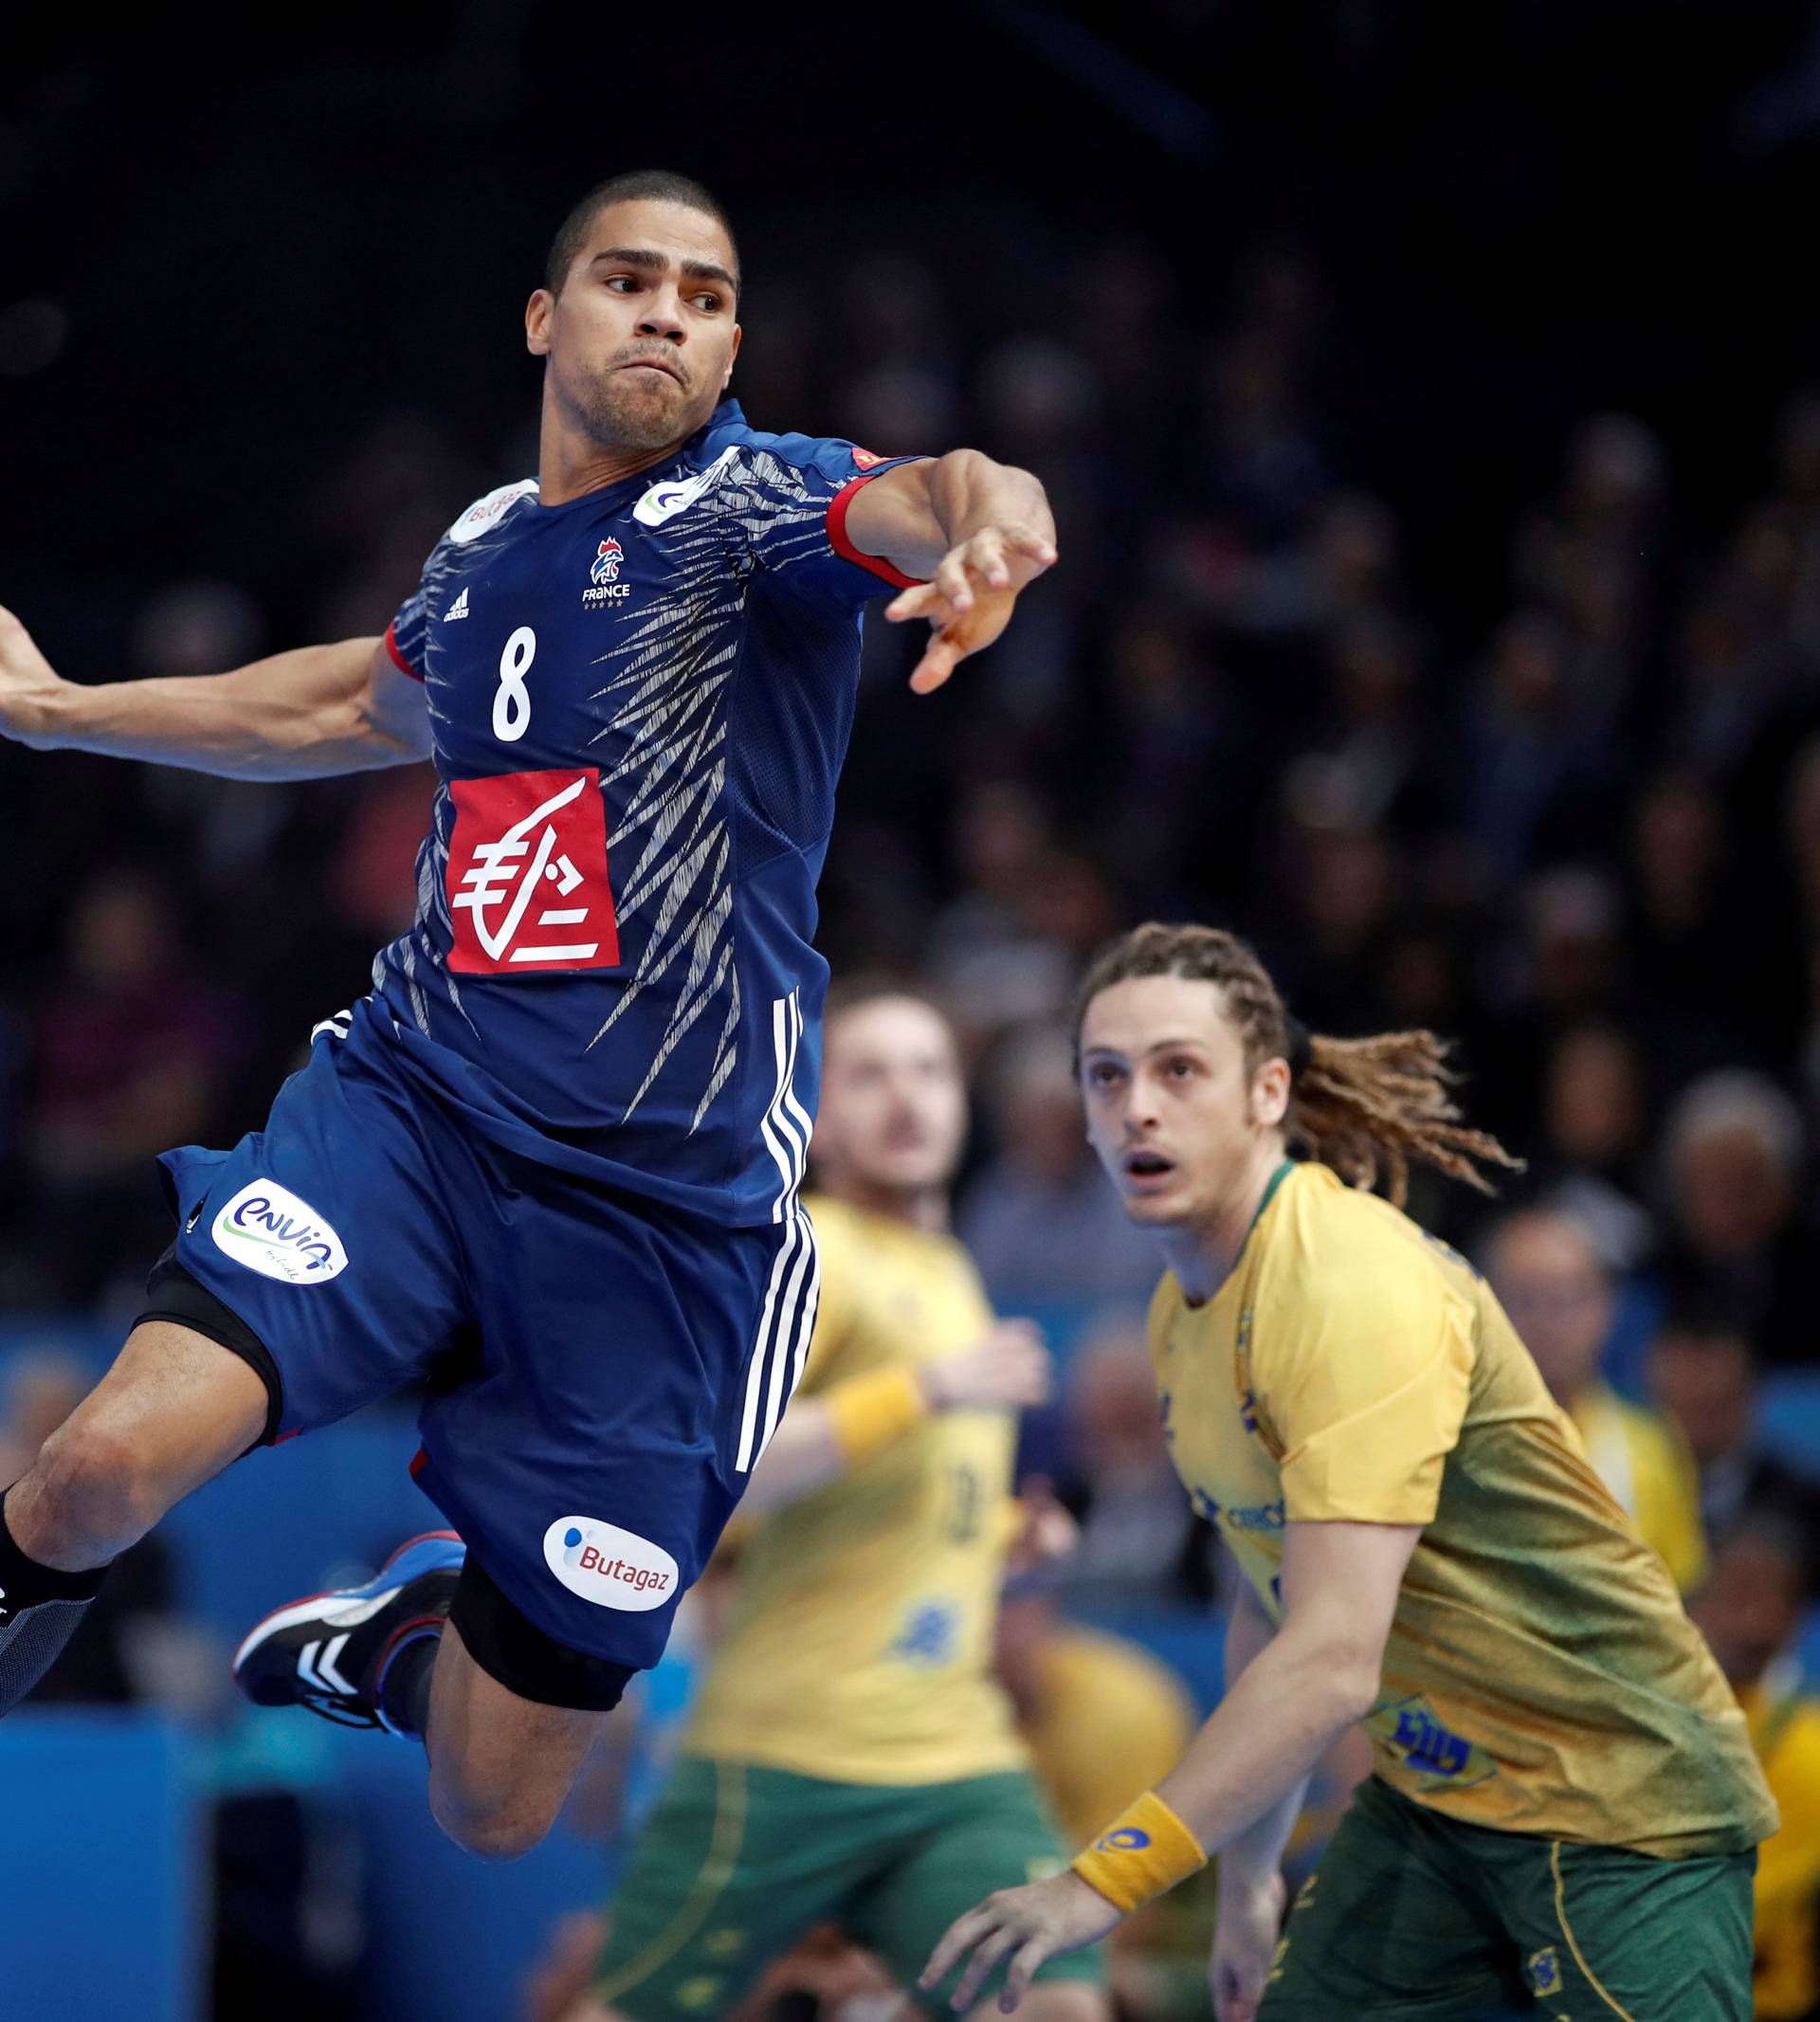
x=399, y=659
x=837, y=538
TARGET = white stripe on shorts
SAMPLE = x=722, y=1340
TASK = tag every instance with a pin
x=796, y=1277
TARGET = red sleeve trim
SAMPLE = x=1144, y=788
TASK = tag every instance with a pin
x=838, y=540
x=398, y=659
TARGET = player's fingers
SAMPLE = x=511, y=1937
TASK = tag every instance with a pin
x=922, y=600
x=1017, y=1980
x=951, y=579
x=979, y=1968
x=940, y=660
x=953, y=1942
x=1035, y=547
x=985, y=552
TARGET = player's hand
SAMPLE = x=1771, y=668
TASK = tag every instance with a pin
x=968, y=601
x=1025, y=1925
x=28, y=686
x=1047, y=1532
x=1246, y=1935
x=1008, y=1370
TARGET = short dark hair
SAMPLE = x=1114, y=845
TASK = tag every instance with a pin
x=649, y=186
x=853, y=993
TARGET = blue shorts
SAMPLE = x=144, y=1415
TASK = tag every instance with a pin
x=603, y=1369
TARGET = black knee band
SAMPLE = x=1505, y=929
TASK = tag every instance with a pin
x=513, y=1650
x=172, y=1294
x=24, y=1583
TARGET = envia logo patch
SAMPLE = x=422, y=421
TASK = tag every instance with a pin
x=269, y=1229
x=613, y=1568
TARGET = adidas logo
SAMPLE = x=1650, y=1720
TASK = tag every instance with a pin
x=457, y=610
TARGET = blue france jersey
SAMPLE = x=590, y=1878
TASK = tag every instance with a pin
x=639, y=700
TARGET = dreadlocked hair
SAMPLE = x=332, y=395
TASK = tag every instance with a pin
x=1370, y=1108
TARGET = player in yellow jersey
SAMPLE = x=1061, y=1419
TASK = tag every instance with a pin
x=1564, y=1809
x=850, y=1759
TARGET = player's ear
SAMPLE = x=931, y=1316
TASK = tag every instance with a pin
x=727, y=377
x=540, y=312
x=1270, y=1092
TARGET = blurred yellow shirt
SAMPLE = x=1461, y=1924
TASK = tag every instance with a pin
x=1785, y=1730
x=1108, y=1722
x=860, y=1642
x=1645, y=1462
x=1540, y=1675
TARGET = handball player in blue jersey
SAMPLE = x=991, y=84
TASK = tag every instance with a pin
x=550, y=1164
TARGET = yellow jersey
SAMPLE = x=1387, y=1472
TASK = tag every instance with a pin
x=860, y=1642
x=1540, y=1675
x=1785, y=1730
x=1644, y=1460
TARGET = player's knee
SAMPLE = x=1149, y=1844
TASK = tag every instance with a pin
x=92, y=1494
x=501, y=1831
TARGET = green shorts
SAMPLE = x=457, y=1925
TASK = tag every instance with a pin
x=1414, y=1917
x=737, y=1862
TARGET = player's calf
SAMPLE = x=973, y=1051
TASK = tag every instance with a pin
x=500, y=1762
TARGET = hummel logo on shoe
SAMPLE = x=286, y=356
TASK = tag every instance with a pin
x=457, y=610
x=330, y=1652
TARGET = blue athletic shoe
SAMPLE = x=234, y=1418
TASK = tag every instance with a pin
x=332, y=1651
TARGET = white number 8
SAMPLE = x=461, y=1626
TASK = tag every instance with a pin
x=512, y=705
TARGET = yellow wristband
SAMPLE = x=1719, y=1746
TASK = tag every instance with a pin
x=1145, y=1850
x=870, y=1411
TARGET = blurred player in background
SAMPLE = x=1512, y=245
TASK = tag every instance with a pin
x=551, y=1162
x=1565, y=1807
x=1751, y=1608
x=851, y=1760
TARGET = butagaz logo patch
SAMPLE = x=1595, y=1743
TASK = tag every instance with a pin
x=487, y=512
x=269, y=1229
x=608, y=1566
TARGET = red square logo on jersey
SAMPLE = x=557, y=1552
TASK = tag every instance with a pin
x=527, y=875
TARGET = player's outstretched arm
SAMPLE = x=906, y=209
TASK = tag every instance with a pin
x=979, y=532
x=824, y=1436
x=303, y=715
x=1315, y=1676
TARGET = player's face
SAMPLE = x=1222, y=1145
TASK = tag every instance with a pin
x=894, y=1104
x=1174, y=1113
x=641, y=340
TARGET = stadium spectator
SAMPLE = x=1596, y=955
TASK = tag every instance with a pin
x=1039, y=1219
x=1732, y=1153
x=1590, y=1162
x=1701, y=1373
x=1140, y=1546
x=128, y=1055
x=1750, y=1610
x=1549, y=1276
